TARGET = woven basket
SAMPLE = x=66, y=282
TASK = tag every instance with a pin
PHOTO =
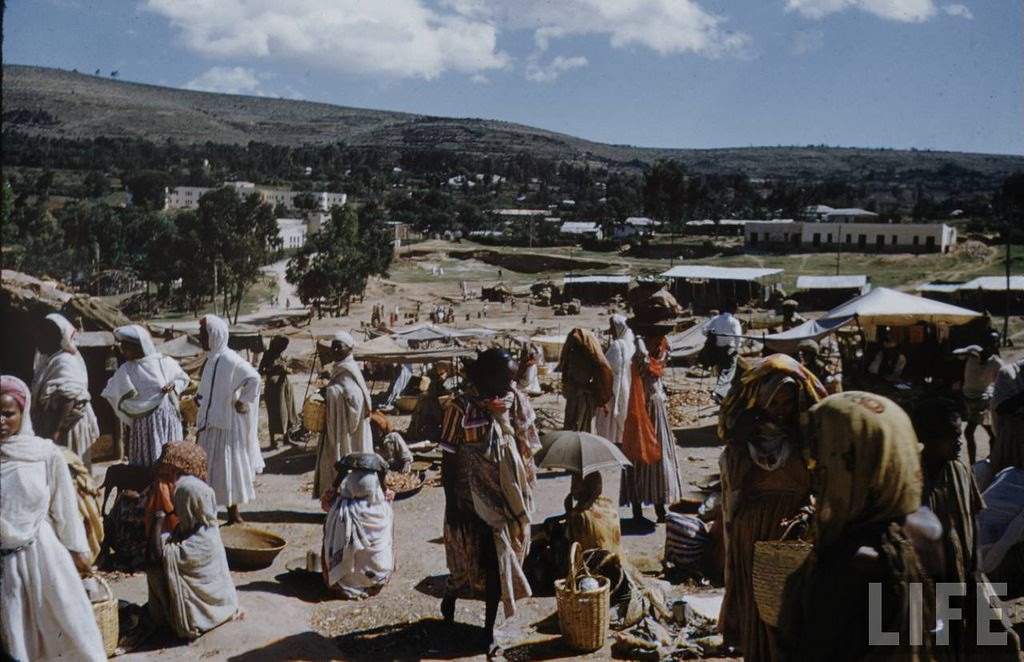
x=107, y=618
x=314, y=415
x=189, y=409
x=250, y=548
x=582, y=615
x=774, y=562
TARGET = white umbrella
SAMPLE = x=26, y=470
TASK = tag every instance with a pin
x=580, y=452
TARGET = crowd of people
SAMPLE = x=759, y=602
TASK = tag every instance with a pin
x=876, y=488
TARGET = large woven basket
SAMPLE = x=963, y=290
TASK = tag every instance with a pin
x=105, y=611
x=189, y=409
x=314, y=414
x=249, y=548
x=774, y=562
x=582, y=615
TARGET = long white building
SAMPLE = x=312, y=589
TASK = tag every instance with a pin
x=850, y=236
x=187, y=197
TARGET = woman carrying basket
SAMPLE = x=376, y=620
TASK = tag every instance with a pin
x=764, y=481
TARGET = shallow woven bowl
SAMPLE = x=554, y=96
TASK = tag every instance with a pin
x=250, y=548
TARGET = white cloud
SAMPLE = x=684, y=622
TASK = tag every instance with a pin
x=908, y=11
x=397, y=38
x=479, y=79
x=545, y=73
x=229, y=80
x=959, y=10
x=807, y=41
x=426, y=38
x=668, y=27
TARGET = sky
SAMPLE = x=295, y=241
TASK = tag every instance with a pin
x=926, y=74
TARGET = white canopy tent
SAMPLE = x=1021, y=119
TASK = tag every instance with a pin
x=879, y=307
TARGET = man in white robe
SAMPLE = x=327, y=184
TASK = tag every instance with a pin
x=611, y=418
x=226, y=424
x=347, y=426
x=61, y=404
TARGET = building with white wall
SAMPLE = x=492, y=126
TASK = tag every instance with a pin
x=292, y=232
x=187, y=197
x=854, y=237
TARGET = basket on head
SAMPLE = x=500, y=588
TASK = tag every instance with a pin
x=189, y=409
x=582, y=615
x=774, y=562
x=105, y=611
x=314, y=414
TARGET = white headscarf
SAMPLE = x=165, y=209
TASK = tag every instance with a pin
x=136, y=389
x=348, y=366
x=62, y=372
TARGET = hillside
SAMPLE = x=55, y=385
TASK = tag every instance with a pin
x=56, y=103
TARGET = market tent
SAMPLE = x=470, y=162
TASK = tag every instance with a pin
x=880, y=306
x=687, y=343
x=884, y=306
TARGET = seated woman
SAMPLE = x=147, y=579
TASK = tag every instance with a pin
x=190, y=587
x=593, y=521
x=358, y=552
x=179, y=458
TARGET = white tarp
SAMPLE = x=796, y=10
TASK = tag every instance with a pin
x=843, y=282
x=884, y=306
x=705, y=272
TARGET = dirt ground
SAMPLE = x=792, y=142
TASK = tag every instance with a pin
x=290, y=616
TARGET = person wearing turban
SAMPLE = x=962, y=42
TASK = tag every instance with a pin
x=347, y=426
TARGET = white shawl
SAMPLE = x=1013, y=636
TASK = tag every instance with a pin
x=136, y=389
x=23, y=507
x=358, y=536
x=224, y=376
x=620, y=353
x=62, y=373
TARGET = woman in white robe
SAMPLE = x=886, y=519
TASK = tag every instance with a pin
x=358, y=547
x=144, y=394
x=611, y=418
x=44, y=610
x=347, y=425
x=226, y=424
x=61, y=407
x=190, y=586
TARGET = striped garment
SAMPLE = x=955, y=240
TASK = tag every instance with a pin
x=685, y=538
x=149, y=434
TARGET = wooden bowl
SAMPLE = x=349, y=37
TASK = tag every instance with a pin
x=250, y=548
x=406, y=403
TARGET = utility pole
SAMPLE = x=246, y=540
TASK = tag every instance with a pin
x=1006, y=309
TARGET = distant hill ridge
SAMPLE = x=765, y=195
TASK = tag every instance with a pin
x=58, y=103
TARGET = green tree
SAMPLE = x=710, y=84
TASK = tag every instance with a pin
x=336, y=263
x=305, y=201
x=148, y=188
x=665, y=193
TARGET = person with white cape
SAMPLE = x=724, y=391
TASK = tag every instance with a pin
x=347, y=425
x=611, y=418
x=61, y=404
x=45, y=612
x=144, y=394
x=226, y=425
x=358, y=550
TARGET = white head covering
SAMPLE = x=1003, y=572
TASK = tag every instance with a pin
x=620, y=358
x=195, y=503
x=136, y=389
x=9, y=384
x=67, y=332
x=138, y=335
x=217, y=333
x=345, y=338
x=23, y=445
